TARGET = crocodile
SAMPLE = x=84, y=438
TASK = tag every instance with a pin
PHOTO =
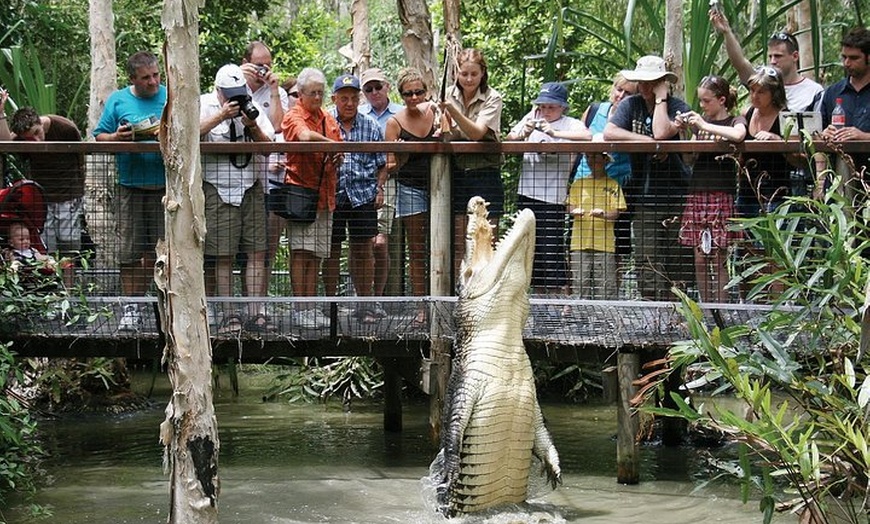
x=492, y=423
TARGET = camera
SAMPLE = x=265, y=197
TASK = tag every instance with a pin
x=262, y=70
x=539, y=124
x=716, y=6
x=247, y=106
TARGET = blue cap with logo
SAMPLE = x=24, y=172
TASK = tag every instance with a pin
x=345, y=81
x=553, y=93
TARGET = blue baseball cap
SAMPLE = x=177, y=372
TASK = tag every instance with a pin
x=345, y=81
x=553, y=93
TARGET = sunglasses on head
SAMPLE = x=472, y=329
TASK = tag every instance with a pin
x=783, y=37
x=409, y=94
x=767, y=70
x=374, y=86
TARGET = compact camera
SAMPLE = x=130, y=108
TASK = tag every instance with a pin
x=262, y=70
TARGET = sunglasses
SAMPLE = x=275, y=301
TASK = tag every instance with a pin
x=375, y=86
x=767, y=70
x=409, y=94
x=783, y=37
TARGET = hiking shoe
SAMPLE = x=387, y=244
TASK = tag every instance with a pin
x=131, y=320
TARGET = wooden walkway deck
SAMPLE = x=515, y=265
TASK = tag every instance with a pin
x=559, y=329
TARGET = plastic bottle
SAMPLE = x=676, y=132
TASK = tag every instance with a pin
x=838, y=116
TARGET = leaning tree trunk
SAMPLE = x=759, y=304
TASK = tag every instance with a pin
x=673, y=45
x=189, y=433
x=100, y=170
x=361, y=41
x=417, y=38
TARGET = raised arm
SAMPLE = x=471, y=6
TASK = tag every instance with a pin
x=738, y=60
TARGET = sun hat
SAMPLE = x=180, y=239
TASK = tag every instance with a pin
x=345, y=81
x=553, y=93
x=373, y=74
x=649, y=68
x=231, y=81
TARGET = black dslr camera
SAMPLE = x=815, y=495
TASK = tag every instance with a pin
x=240, y=96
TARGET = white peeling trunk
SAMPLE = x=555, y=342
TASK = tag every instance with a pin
x=417, y=39
x=361, y=40
x=803, y=20
x=189, y=433
x=100, y=171
x=673, y=45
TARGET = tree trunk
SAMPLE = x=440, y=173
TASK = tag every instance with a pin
x=189, y=433
x=362, y=50
x=673, y=45
x=451, y=19
x=417, y=40
x=805, y=39
x=100, y=170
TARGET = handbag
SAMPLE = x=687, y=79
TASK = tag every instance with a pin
x=293, y=202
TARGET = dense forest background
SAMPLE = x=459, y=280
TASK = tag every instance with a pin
x=514, y=35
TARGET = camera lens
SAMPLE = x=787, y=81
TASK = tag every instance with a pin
x=262, y=70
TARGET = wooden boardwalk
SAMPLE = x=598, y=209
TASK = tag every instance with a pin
x=559, y=329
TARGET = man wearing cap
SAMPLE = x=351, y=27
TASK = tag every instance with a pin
x=376, y=89
x=234, y=208
x=659, y=181
x=543, y=183
x=360, y=193
x=801, y=93
x=141, y=178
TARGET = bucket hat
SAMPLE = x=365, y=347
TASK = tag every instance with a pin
x=552, y=93
x=649, y=69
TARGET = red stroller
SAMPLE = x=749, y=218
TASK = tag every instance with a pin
x=23, y=201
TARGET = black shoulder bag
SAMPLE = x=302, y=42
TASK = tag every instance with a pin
x=294, y=202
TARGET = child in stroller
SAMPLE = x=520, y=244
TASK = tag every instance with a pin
x=22, y=215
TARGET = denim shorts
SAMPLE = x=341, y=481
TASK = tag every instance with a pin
x=411, y=201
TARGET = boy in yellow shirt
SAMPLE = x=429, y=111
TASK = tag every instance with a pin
x=595, y=203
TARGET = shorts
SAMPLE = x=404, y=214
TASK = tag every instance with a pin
x=594, y=275
x=708, y=212
x=387, y=212
x=63, y=226
x=550, y=267
x=411, y=201
x=140, y=222
x=484, y=182
x=232, y=229
x=358, y=223
x=314, y=237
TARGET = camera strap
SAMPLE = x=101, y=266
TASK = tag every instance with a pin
x=234, y=137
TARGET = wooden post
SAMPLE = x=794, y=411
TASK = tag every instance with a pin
x=440, y=279
x=627, y=458
x=392, y=395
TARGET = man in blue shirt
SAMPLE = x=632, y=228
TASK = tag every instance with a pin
x=854, y=93
x=359, y=194
x=376, y=89
x=133, y=113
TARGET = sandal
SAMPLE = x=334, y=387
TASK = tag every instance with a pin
x=230, y=325
x=260, y=323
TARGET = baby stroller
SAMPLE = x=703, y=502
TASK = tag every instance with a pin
x=23, y=201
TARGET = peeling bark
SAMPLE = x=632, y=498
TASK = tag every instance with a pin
x=189, y=432
x=673, y=44
x=361, y=44
x=417, y=39
x=104, y=80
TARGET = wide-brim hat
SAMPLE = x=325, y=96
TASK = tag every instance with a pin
x=552, y=93
x=649, y=69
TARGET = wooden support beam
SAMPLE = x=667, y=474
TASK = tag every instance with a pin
x=392, y=395
x=627, y=457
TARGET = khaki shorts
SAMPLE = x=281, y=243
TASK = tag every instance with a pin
x=140, y=223
x=315, y=237
x=63, y=226
x=387, y=212
x=234, y=229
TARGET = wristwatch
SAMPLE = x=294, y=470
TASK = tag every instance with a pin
x=661, y=100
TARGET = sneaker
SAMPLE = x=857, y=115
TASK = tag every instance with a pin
x=378, y=310
x=131, y=320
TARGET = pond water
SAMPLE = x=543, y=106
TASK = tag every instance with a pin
x=310, y=463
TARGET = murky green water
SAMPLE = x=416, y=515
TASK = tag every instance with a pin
x=313, y=464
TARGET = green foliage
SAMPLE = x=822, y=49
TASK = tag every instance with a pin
x=796, y=371
x=22, y=75
x=20, y=452
x=311, y=379
x=571, y=382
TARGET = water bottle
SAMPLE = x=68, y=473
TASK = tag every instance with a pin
x=838, y=116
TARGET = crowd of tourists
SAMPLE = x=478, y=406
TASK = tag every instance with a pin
x=669, y=216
